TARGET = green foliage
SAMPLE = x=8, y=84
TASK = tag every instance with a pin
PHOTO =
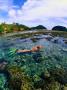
x=59, y=28
x=38, y=27
x=1, y=29
x=8, y=28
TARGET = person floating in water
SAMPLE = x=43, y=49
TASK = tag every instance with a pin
x=36, y=55
x=34, y=49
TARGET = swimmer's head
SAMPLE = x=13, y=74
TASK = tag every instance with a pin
x=39, y=47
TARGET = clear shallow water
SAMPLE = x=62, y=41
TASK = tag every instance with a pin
x=53, y=55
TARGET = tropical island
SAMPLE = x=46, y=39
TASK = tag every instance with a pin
x=16, y=28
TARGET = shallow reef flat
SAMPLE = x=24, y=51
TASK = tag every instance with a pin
x=42, y=70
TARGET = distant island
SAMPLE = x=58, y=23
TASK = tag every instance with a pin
x=38, y=27
x=15, y=27
x=59, y=28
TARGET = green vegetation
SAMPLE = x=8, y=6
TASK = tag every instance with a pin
x=15, y=27
x=1, y=29
x=59, y=28
x=38, y=27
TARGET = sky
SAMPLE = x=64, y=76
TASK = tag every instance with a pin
x=49, y=13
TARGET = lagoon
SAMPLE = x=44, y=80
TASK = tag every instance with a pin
x=52, y=57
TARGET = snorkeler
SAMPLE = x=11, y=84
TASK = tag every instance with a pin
x=34, y=49
x=36, y=55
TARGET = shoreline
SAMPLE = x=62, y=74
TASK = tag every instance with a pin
x=50, y=32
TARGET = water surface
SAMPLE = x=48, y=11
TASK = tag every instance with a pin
x=53, y=55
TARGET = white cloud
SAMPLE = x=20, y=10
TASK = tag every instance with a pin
x=35, y=12
x=40, y=8
x=5, y=4
x=12, y=13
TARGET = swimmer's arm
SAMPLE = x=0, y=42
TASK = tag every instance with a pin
x=19, y=51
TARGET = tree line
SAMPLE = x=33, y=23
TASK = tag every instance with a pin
x=15, y=27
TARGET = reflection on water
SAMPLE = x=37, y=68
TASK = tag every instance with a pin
x=53, y=55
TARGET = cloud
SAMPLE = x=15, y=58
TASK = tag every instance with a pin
x=42, y=8
x=34, y=12
x=5, y=4
x=12, y=13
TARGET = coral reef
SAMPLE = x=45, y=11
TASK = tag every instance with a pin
x=17, y=80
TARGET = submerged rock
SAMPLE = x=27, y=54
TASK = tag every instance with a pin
x=54, y=86
x=3, y=64
x=17, y=80
x=2, y=81
x=57, y=40
x=45, y=75
x=37, y=57
x=59, y=75
x=65, y=87
x=34, y=39
x=48, y=37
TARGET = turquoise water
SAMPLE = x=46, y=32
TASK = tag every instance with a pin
x=53, y=55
